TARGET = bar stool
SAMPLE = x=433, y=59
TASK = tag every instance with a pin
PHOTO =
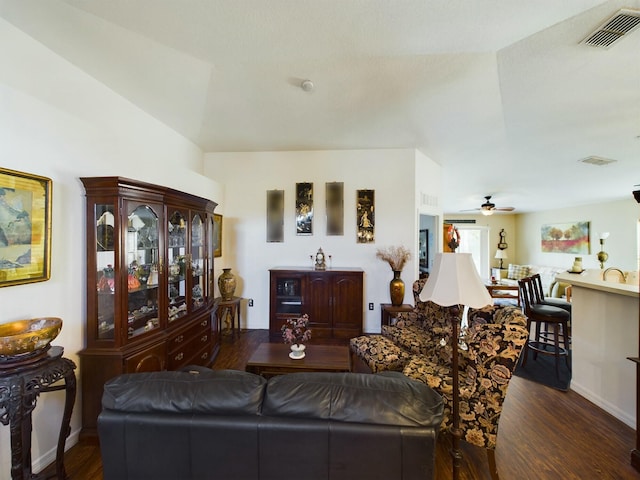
x=540, y=298
x=554, y=320
x=553, y=302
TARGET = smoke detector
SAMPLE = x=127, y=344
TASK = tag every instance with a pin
x=622, y=23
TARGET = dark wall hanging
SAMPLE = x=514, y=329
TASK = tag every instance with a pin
x=335, y=208
x=275, y=215
x=365, y=212
x=304, y=208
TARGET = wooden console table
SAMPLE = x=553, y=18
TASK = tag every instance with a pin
x=20, y=385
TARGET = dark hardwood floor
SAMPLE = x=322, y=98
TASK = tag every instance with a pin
x=544, y=434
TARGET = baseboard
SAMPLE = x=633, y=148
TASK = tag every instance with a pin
x=603, y=404
x=49, y=457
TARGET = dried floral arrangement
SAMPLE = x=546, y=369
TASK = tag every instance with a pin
x=396, y=257
x=295, y=330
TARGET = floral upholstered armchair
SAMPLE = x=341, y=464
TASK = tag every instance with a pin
x=490, y=346
x=419, y=345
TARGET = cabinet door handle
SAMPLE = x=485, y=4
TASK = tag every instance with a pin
x=204, y=356
x=204, y=323
x=204, y=338
x=179, y=356
x=179, y=339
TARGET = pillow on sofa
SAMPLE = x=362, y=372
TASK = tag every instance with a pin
x=517, y=272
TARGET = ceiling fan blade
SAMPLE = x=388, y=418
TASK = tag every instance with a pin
x=505, y=209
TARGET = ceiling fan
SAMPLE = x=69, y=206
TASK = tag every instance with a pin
x=488, y=207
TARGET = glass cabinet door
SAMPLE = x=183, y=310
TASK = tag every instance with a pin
x=142, y=256
x=105, y=260
x=210, y=257
x=177, y=265
x=198, y=267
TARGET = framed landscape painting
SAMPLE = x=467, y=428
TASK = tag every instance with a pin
x=25, y=228
x=565, y=238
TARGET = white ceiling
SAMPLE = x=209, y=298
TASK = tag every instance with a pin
x=501, y=93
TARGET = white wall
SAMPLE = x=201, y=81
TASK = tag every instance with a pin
x=58, y=122
x=248, y=176
x=619, y=218
x=428, y=185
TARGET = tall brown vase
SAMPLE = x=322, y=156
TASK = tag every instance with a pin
x=396, y=289
x=227, y=284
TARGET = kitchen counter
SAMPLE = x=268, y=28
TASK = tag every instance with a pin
x=593, y=279
x=604, y=324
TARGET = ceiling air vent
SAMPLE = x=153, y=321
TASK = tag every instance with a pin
x=621, y=24
x=599, y=161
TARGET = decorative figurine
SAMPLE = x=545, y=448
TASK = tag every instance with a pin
x=321, y=263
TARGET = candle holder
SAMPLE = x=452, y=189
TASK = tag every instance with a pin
x=602, y=255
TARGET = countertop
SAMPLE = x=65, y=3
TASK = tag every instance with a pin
x=593, y=279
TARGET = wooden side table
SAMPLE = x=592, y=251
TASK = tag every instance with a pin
x=388, y=311
x=233, y=308
x=20, y=385
x=501, y=290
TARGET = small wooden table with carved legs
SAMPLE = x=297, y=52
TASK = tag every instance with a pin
x=20, y=384
x=232, y=307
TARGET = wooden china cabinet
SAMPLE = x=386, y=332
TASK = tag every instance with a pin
x=149, y=284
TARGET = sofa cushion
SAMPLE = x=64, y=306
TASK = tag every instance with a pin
x=197, y=390
x=382, y=399
x=517, y=272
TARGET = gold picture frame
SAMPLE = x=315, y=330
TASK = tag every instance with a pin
x=217, y=235
x=25, y=228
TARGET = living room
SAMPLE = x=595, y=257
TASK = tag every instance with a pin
x=62, y=122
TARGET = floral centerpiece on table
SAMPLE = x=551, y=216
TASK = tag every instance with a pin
x=295, y=331
x=396, y=257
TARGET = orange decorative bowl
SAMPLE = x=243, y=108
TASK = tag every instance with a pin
x=28, y=336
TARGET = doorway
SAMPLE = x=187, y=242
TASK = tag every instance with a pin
x=474, y=239
x=426, y=243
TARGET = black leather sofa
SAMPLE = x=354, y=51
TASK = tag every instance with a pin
x=205, y=424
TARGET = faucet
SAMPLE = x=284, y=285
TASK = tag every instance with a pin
x=624, y=275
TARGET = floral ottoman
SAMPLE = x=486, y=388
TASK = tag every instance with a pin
x=379, y=353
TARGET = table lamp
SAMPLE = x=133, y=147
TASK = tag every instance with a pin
x=501, y=255
x=454, y=281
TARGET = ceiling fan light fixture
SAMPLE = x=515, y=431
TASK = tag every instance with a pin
x=486, y=212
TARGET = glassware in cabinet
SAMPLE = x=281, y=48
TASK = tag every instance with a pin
x=177, y=265
x=198, y=257
x=105, y=276
x=142, y=259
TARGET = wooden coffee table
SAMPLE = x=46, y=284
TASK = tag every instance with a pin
x=271, y=359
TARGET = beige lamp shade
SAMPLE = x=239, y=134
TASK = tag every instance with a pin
x=501, y=254
x=455, y=281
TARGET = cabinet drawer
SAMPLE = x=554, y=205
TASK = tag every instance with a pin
x=184, y=354
x=179, y=339
x=203, y=357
